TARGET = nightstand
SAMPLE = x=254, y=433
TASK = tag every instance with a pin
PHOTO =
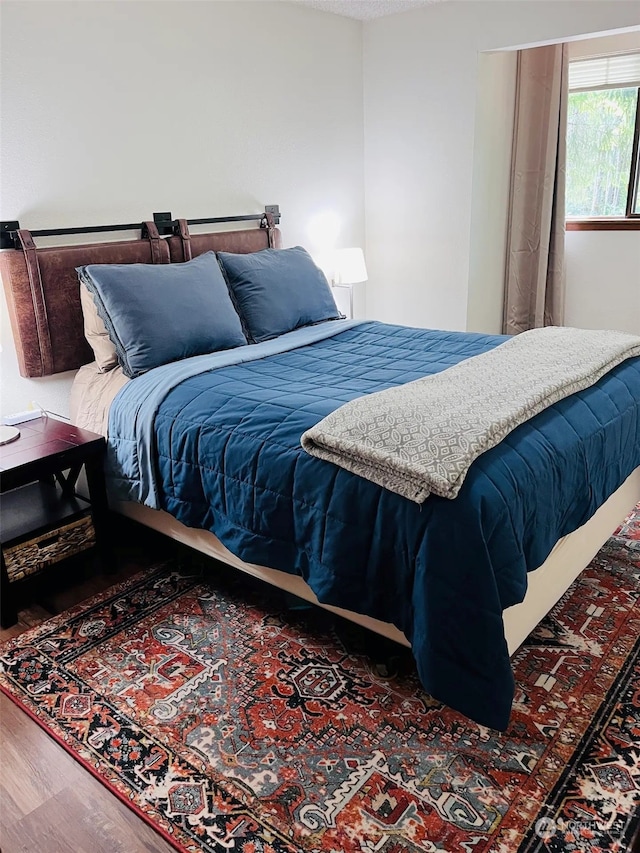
x=43, y=520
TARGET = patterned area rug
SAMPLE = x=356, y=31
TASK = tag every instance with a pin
x=230, y=722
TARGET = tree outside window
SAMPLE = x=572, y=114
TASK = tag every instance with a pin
x=603, y=129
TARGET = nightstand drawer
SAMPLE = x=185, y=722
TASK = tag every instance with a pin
x=36, y=554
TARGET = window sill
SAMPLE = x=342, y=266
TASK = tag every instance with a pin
x=604, y=224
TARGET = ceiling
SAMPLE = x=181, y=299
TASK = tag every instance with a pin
x=365, y=10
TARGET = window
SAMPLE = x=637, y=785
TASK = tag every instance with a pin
x=603, y=129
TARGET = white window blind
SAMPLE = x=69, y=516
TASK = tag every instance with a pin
x=605, y=72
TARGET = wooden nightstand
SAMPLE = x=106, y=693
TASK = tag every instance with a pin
x=43, y=520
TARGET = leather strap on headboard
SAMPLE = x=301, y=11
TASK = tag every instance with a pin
x=185, y=246
x=185, y=237
x=39, y=305
x=272, y=231
x=158, y=253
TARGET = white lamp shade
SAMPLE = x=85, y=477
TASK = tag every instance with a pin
x=349, y=266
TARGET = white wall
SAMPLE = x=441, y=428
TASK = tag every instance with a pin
x=493, y=141
x=603, y=280
x=420, y=76
x=604, y=45
x=113, y=110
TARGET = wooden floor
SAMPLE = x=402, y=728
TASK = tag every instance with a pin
x=48, y=802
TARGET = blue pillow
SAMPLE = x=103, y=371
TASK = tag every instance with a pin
x=278, y=290
x=155, y=314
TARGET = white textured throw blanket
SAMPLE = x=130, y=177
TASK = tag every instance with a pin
x=422, y=437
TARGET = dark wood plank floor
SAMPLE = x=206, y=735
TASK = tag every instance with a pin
x=48, y=802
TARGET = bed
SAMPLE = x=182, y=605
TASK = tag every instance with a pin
x=416, y=574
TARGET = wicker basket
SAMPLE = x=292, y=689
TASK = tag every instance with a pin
x=32, y=556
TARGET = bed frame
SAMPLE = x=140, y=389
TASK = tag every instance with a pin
x=546, y=585
x=43, y=299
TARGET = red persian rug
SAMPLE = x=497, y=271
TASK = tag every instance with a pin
x=231, y=723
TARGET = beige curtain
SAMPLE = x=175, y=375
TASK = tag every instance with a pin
x=535, y=279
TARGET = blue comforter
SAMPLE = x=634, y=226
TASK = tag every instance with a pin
x=217, y=445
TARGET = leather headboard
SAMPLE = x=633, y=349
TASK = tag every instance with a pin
x=186, y=246
x=43, y=292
